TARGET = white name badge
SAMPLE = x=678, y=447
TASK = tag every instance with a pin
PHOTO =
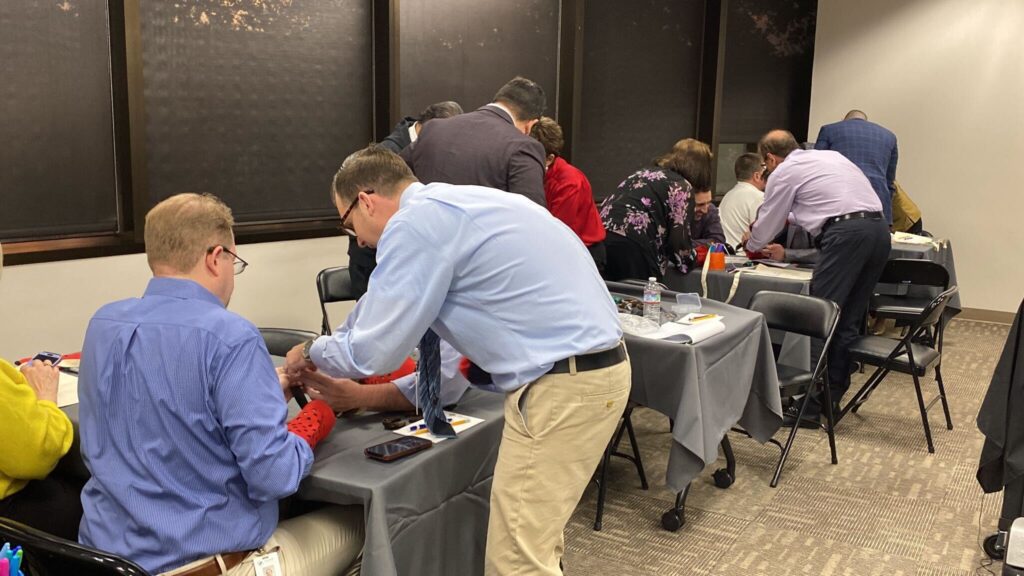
x=268, y=564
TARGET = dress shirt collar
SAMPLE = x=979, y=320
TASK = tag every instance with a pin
x=412, y=132
x=180, y=288
x=408, y=193
x=747, y=185
x=511, y=117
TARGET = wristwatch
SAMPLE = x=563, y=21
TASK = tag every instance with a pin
x=305, y=350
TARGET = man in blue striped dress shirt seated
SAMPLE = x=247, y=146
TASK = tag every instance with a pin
x=183, y=421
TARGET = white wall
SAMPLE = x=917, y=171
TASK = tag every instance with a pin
x=47, y=306
x=947, y=76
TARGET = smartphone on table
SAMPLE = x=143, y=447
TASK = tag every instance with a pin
x=394, y=449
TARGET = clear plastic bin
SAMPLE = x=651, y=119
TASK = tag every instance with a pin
x=686, y=303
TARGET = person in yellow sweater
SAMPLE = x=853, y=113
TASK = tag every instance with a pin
x=36, y=434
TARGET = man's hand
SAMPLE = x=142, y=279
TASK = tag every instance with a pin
x=341, y=394
x=775, y=252
x=285, y=382
x=295, y=364
x=746, y=236
x=43, y=377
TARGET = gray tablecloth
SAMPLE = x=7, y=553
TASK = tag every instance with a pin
x=796, y=350
x=708, y=388
x=426, y=514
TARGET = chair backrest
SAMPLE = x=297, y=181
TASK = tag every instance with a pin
x=47, y=555
x=280, y=340
x=796, y=313
x=333, y=285
x=932, y=313
x=914, y=272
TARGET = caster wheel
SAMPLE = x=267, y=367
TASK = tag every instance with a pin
x=992, y=549
x=671, y=521
x=723, y=479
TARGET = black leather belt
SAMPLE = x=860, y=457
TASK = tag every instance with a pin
x=851, y=216
x=595, y=361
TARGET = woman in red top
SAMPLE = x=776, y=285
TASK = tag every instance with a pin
x=568, y=192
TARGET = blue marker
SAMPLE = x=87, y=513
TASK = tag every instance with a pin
x=16, y=561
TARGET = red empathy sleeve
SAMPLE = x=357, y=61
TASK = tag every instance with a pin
x=313, y=423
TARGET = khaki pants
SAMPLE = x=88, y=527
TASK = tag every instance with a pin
x=321, y=543
x=556, y=430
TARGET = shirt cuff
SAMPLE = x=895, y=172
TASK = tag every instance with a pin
x=316, y=351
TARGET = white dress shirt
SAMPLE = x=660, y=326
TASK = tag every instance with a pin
x=738, y=210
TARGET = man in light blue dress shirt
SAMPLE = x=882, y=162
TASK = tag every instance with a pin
x=183, y=420
x=512, y=288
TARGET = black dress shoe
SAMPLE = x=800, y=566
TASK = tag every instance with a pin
x=789, y=418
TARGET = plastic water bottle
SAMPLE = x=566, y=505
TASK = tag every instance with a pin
x=652, y=300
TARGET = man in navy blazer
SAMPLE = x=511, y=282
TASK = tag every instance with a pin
x=489, y=147
x=868, y=145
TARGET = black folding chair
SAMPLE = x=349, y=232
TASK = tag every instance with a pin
x=625, y=426
x=814, y=318
x=912, y=354
x=279, y=341
x=911, y=276
x=333, y=285
x=47, y=555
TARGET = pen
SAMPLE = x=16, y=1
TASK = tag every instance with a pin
x=416, y=427
x=702, y=317
x=425, y=431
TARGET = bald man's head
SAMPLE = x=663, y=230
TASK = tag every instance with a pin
x=855, y=115
x=777, y=142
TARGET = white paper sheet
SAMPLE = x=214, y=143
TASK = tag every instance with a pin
x=459, y=422
x=687, y=333
x=67, y=390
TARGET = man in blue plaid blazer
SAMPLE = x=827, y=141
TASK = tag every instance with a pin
x=871, y=147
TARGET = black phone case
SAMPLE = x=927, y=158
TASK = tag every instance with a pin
x=421, y=445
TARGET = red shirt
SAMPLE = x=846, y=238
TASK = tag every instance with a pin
x=570, y=199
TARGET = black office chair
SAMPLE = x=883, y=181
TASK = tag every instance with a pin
x=47, y=555
x=279, y=341
x=912, y=354
x=806, y=316
x=333, y=285
x=625, y=426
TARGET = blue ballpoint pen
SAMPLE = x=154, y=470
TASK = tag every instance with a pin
x=424, y=426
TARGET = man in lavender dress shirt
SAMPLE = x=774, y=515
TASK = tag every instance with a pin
x=831, y=198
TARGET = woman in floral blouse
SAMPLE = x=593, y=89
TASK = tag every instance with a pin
x=649, y=216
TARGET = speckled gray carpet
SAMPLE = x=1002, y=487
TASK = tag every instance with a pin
x=888, y=508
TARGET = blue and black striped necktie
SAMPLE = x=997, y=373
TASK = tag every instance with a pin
x=428, y=392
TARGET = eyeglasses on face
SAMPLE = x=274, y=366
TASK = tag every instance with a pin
x=345, y=227
x=239, y=264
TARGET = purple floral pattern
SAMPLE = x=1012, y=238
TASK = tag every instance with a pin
x=653, y=207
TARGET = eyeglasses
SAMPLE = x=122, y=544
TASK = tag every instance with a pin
x=344, y=217
x=239, y=264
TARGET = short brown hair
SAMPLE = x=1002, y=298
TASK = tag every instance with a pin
x=372, y=168
x=181, y=228
x=691, y=159
x=548, y=133
x=746, y=165
x=777, y=142
x=524, y=97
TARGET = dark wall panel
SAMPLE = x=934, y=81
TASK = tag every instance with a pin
x=465, y=50
x=258, y=105
x=57, y=147
x=641, y=65
x=769, y=56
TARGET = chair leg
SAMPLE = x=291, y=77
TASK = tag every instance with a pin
x=789, y=441
x=942, y=395
x=636, y=450
x=602, y=486
x=924, y=413
x=830, y=415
